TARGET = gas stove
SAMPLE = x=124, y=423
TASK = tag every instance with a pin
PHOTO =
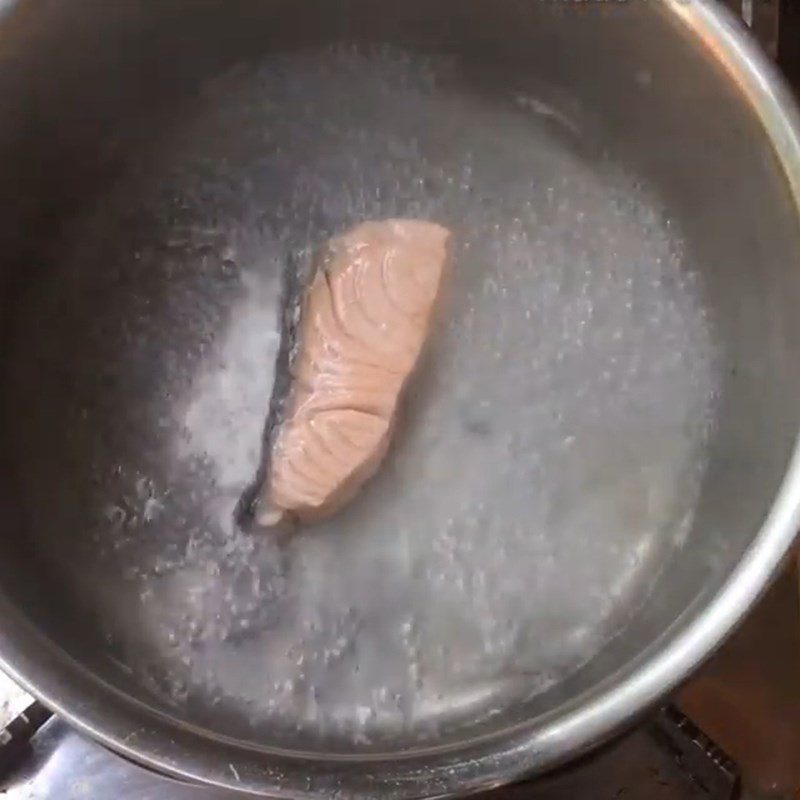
x=667, y=759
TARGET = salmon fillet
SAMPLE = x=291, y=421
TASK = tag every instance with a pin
x=363, y=322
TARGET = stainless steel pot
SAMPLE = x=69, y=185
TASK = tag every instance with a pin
x=676, y=88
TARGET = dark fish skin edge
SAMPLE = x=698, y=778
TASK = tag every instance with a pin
x=298, y=273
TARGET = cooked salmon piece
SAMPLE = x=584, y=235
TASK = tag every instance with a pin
x=363, y=322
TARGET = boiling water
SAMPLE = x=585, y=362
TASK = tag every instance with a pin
x=549, y=451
